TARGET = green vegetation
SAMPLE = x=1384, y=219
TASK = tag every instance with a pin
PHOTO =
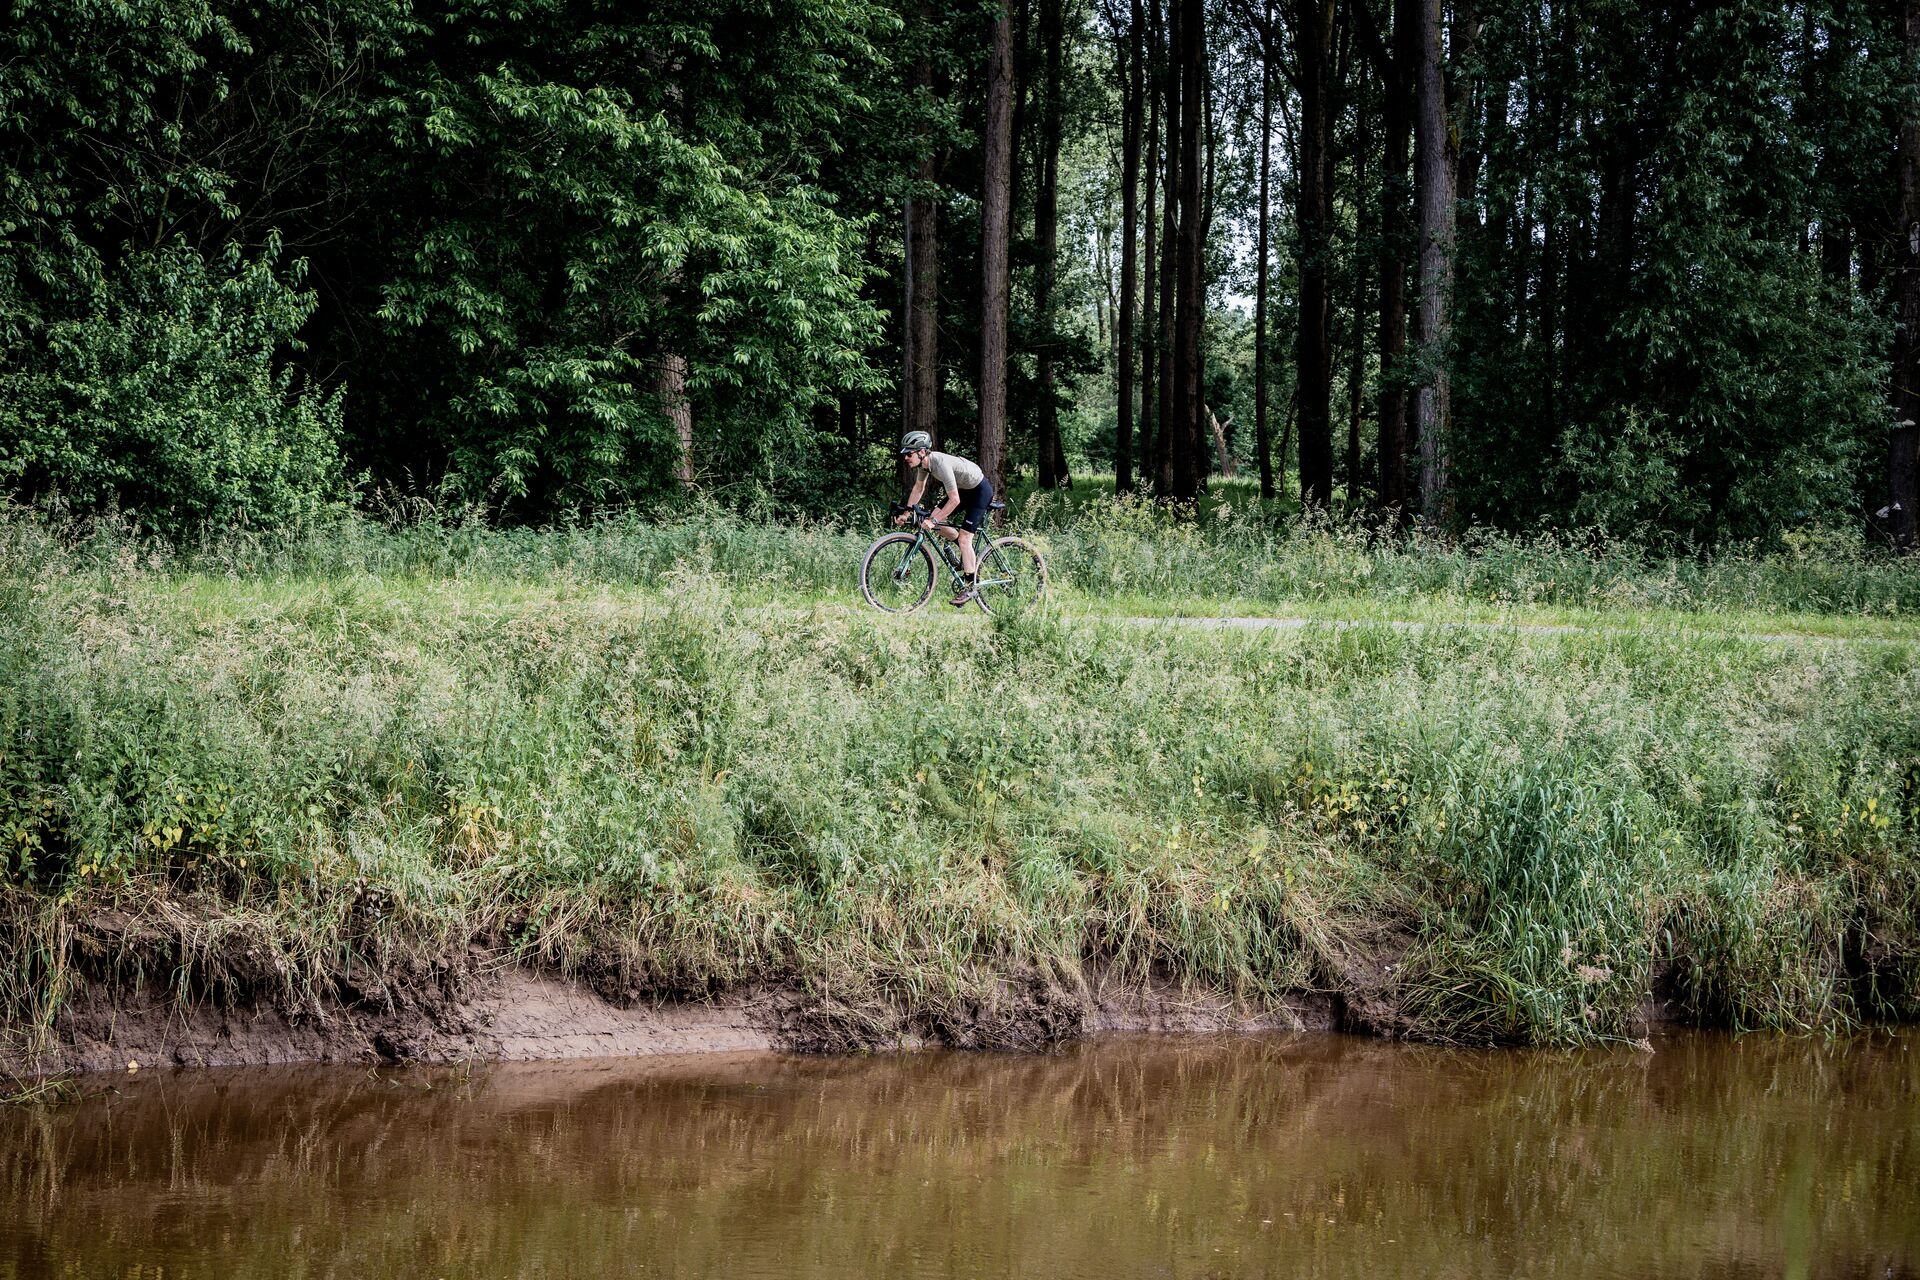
x=558, y=259
x=612, y=750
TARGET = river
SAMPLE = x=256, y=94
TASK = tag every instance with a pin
x=1261, y=1156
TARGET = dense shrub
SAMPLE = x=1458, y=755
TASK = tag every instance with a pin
x=167, y=393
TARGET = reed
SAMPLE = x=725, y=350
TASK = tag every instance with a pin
x=271, y=767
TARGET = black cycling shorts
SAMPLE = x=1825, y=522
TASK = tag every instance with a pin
x=975, y=505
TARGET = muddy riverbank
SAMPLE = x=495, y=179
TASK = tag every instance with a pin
x=496, y=1011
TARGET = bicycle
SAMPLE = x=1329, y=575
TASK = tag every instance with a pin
x=898, y=575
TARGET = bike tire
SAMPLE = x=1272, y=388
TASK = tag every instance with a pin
x=903, y=584
x=1013, y=575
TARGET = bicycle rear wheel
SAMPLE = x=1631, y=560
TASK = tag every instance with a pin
x=897, y=574
x=1012, y=576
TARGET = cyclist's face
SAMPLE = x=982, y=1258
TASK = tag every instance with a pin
x=918, y=458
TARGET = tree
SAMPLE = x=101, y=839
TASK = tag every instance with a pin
x=1261, y=20
x=1434, y=191
x=1313, y=24
x=1186, y=444
x=1394, y=62
x=1905, y=287
x=997, y=145
x=1151, y=345
x=1129, y=51
x=921, y=332
x=1053, y=458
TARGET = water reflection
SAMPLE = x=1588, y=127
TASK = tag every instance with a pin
x=1236, y=1157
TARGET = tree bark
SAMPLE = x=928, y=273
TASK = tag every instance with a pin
x=1356, y=328
x=1188, y=460
x=1129, y=54
x=1219, y=441
x=671, y=387
x=1150, y=232
x=1313, y=348
x=1046, y=217
x=922, y=330
x=925, y=320
x=997, y=148
x=1904, y=267
x=1435, y=193
x=1396, y=235
x=1168, y=418
x=1262, y=433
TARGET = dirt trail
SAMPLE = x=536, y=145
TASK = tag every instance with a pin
x=1519, y=628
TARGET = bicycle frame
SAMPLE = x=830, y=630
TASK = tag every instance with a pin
x=950, y=551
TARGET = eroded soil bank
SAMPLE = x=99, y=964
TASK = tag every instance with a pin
x=173, y=986
x=492, y=1010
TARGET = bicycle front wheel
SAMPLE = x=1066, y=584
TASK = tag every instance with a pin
x=1012, y=576
x=897, y=574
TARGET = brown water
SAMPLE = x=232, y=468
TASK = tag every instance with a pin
x=1316, y=1156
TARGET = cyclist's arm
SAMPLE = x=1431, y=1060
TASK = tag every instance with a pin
x=945, y=509
x=919, y=487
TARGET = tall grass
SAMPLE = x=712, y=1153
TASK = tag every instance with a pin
x=304, y=767
x=1237, y=552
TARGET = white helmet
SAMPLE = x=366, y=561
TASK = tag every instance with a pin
x=915, y=440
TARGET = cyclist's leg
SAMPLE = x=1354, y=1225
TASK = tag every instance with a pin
x=974, y=503
x=978, y=504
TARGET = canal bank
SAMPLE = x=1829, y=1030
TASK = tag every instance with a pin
x=488, y=1009
x=264, y=809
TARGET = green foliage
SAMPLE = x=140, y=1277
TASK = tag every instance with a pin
x=448, y=736
x=585, y=195
x=512, y=220
x=1674, y=351
x=165, y=396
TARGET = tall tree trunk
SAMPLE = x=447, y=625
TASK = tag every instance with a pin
x=1219, y=441
x=1188, y=460
x=1169, y=426
x=922, y=329
x=1904, y=267
x=1129, y=55
x=1262, y=433
x=1356, y=382
x=1396, y=237
x=1356, y=328
x=1046, y=217
x=997, y=146
x=1464, y=104
x=925, y=322
x=1434, y=189
x=670, y=385
x=1313, y=347
x=1151, y=87
x=924, y=281
x=1022, y=87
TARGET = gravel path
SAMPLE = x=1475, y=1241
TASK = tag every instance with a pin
x=1520, y=628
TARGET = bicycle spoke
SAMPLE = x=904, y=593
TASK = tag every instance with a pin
x=1013, y=576
x=897, y=574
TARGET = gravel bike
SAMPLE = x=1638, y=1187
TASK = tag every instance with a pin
x=898, y=575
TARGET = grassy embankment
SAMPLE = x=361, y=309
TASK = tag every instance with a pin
x=672, y=759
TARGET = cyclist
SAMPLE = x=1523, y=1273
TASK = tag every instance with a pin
x=966, y=487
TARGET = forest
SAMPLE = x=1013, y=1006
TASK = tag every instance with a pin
x=1646, y=268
